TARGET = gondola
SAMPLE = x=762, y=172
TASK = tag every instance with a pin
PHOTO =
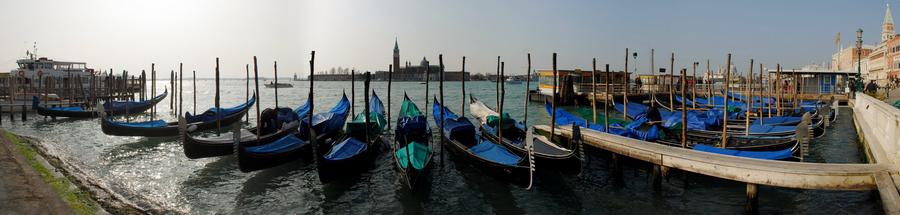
x=472, y=147
x=276, y=123
x=356, y=151
x=159, y=128
x=113, y=108
x=328, y=125
x=636, y=111
x=778, y=148
x=412, y=150
x=549, y=155
x=295, y=145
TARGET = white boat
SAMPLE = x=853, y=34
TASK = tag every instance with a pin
x=514, y=80
x=278, y=85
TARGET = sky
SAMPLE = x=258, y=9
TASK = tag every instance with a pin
x=131, y=35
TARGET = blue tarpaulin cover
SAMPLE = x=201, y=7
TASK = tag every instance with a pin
x=286, y=143
x=147, y=124
x=763, y=129
x=493, y=152
x=767, y=155
x=210, y=114
x=119, y=106
x=347, y=149
x=781, y=120
x=565, y=118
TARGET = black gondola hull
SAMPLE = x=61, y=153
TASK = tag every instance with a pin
x=518, y=175
x=202, y=148
x=171, y=129
x=568, y=164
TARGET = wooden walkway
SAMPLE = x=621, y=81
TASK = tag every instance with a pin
x=751, y=171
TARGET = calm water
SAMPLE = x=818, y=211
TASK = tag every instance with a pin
x=154, y=173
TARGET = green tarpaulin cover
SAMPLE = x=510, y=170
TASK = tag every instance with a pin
x=419, y=153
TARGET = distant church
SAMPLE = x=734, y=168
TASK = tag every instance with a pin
x=417, y=73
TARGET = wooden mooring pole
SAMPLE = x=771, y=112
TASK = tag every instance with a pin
x=725, y=110
x=553, y=98
x=218, y=107
x=442, y=106
x=276, y=86
x=672, y=82
x=606, y=99
x=390, y=74
x=625, y=87
x=752, y=205
x=256, y=95
x=246, y=92
x=594, y=90
x=527, y=88
x=749, y=99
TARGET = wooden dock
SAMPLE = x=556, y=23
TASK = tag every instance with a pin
x=754, y=172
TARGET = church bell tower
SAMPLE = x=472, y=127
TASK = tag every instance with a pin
x=396, y=56
x=887, y=27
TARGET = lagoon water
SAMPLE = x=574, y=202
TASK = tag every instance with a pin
x=154, y=173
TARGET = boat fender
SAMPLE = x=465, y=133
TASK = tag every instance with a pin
x=100, y=110
x=236, y=137
x=182, y=130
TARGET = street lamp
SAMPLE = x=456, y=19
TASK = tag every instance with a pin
x=859, y=33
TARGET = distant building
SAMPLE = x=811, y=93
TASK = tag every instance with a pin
x=406, y=73
x=417, y=73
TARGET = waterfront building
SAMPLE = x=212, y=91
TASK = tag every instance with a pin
x=880, y=62
x=814, y=79
x=581, y=79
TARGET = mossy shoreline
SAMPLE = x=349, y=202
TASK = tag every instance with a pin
x=81, y=196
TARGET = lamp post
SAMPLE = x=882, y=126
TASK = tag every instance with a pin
x=859, y=33
x=634, y=57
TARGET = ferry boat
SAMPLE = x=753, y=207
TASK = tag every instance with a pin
x=33, y=67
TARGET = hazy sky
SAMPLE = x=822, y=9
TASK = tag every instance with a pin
x=130, y=35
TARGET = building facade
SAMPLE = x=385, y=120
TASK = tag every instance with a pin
x=880, y=62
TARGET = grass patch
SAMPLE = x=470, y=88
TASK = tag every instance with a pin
x=80, y=202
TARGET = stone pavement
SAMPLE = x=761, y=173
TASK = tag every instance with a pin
x=22, y=191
